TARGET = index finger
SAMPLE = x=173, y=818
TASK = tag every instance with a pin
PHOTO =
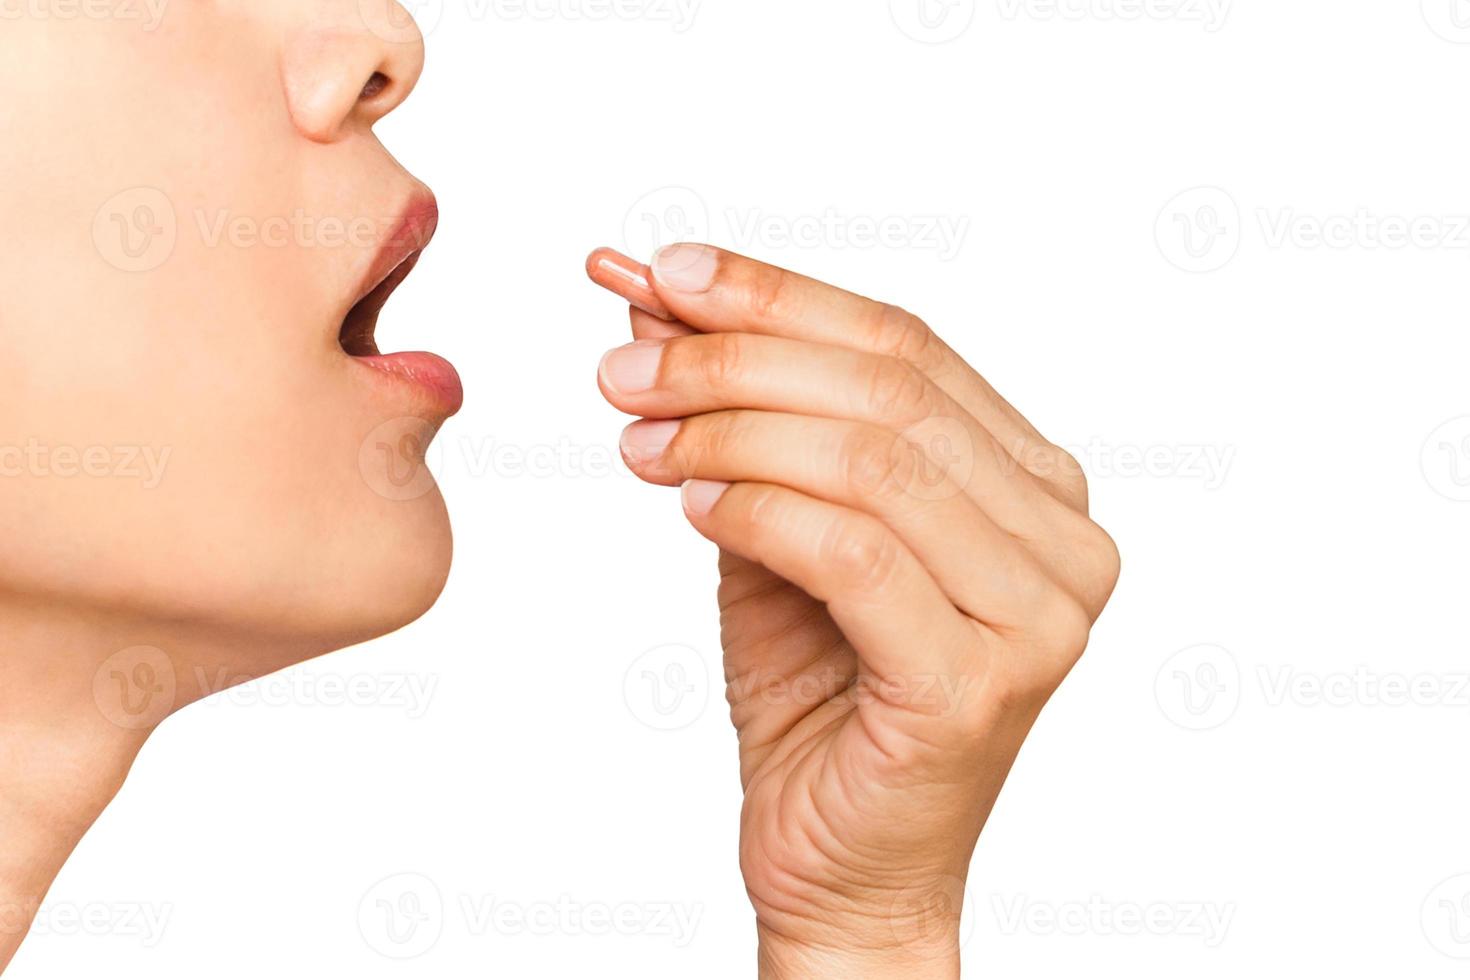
x=716, y=291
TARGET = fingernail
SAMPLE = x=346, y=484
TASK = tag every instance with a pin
x=700, y=496
x=687, y=268
x=631, y=369
x=645, y=441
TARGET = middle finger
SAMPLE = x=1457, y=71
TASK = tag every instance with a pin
x=675, y=377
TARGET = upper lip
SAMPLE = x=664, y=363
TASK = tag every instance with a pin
x=407, y=236
x=397, y=251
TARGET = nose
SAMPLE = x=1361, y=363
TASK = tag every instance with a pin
x=353, y=69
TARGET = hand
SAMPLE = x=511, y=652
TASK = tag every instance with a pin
x=908, y=572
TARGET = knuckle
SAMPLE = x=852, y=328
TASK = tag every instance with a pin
x=1094, y=563
x=1057, y=641
x=1107, y=559
x=1062, y=630
x=899, y=391
x=762, y=512
x=717, y=435
x=1084, y=556
x=862, y=555
x=1065, y=466
x=898, y=333
x=1063, y=470
x=873, y=463
x=722, y=360
x=720, y=432
x=769, y=292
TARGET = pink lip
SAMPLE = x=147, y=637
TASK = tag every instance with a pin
x=411, y=233
x=439, y=393
x=435, y=378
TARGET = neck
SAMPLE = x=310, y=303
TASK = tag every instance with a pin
x=52, y=792
x=80, y=692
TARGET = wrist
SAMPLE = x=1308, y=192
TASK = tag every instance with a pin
x=933, y=958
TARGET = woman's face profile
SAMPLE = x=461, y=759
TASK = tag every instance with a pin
x=197, y=203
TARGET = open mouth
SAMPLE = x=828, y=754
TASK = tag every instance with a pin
x=359, y=327
x=435, y=383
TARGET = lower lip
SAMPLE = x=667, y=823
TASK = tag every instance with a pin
x=431, y=376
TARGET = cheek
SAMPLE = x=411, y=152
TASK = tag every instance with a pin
x=179, y=433
x=345, y=511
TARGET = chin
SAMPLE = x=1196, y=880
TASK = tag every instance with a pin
x=410, y=582
x=388, y=577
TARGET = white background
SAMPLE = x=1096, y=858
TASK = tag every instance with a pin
x=1261, y=432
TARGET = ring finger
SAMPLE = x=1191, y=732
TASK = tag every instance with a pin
x=983, y=570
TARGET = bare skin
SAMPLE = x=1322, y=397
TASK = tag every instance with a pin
x=895, y=618
x=908, y=571
x=191, y=492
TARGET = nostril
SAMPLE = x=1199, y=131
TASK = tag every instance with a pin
x=374, y=86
